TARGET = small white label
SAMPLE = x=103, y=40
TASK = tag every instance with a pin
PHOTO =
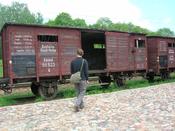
x=10, y=62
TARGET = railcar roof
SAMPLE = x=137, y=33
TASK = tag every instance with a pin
x=67, y=27
x=164, y=37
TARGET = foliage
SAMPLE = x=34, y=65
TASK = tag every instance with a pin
x=165, y=32
x=16, y=98
x=106, y=23
x=18, y=13
x=79, y=22
x=64, y=19
x=5, y=101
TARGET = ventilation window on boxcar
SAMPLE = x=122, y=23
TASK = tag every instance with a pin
x=139, y=43
x=163, y=61
x=173, y=45
x=99, y=46
x=170, y=44
x=47, y=38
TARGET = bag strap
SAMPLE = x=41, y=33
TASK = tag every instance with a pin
x=81, y=65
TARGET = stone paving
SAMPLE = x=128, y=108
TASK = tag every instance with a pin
x=146, y=109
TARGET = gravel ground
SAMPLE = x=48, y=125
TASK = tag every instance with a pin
x=146, y=109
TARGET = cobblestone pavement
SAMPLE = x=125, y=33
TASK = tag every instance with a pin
x=148, y=109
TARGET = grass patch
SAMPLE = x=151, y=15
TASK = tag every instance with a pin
x=17, y=98
x=66, y=93
x=5, y=101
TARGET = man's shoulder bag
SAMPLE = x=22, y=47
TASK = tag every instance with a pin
x=76, y=77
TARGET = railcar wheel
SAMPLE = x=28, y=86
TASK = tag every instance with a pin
x=150, y=77
x=48, y=91
x=105, y=81
x=34, y=88
x=120, y=82
x=165, y=75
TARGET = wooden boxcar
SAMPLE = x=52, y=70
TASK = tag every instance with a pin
x=161, y=55
x=126, y=54
x=42, y=55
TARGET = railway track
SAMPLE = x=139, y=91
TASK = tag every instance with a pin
x=25, y=87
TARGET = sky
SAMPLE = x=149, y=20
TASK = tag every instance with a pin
x=150, y=14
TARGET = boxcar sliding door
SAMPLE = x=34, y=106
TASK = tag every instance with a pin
x=117, y=51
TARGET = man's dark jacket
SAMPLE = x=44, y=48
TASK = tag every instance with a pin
x=76, y=65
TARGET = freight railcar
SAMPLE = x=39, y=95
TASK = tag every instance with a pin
x=42, y=55
x=161, y=56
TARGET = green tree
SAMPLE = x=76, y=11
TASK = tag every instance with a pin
x=165, y=32
x=18, y=13
x=63, y=19
x=129, y=27
x=50, y=23
x=106, y=23
x=79, y=22
x=123, y=27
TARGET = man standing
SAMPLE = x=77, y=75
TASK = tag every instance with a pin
x=77, y=64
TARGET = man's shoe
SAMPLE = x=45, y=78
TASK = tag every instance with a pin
x=81, y=106
x=77, y=109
